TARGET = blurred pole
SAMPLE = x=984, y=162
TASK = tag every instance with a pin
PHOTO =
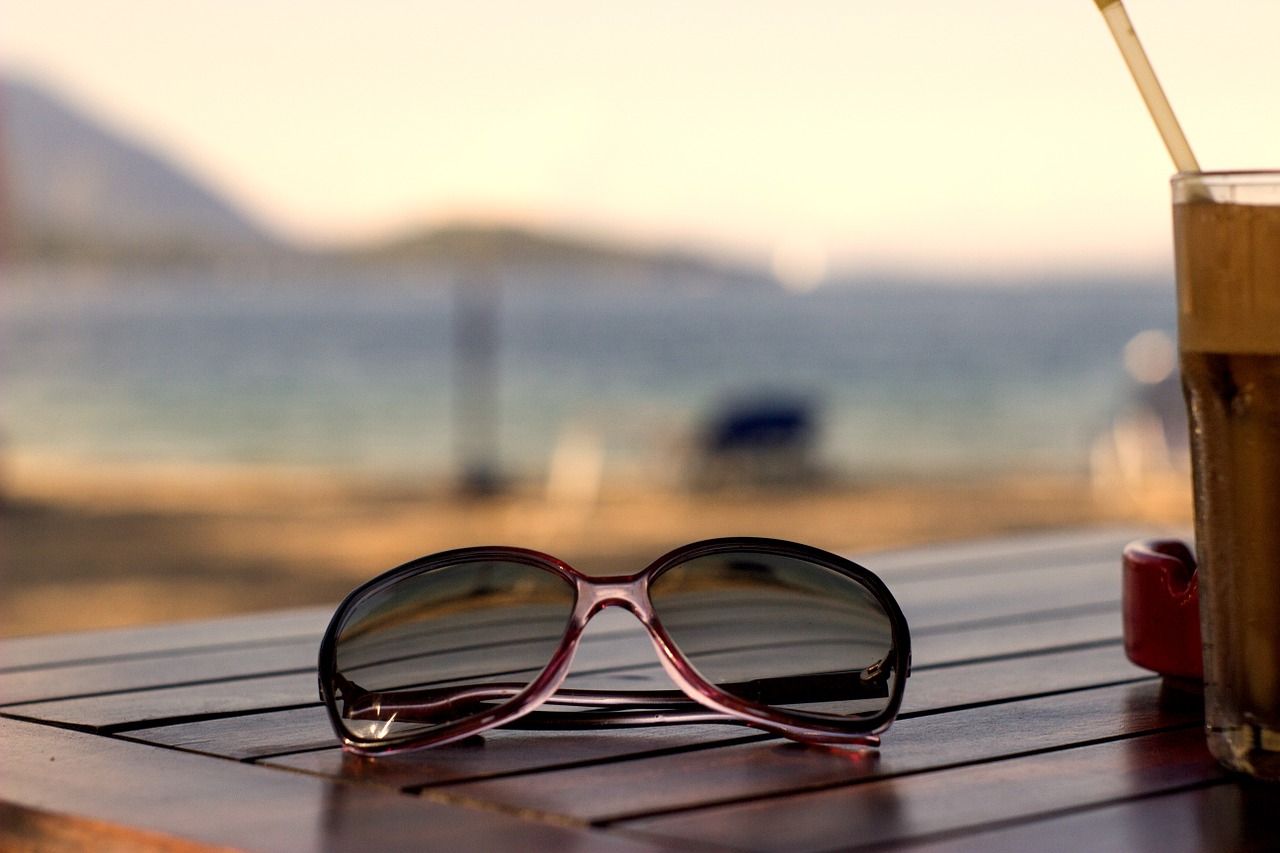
x=477, y=345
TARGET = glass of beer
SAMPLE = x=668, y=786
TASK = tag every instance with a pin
x=1227, y=245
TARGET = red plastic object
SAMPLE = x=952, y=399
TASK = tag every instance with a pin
x=1161, y=595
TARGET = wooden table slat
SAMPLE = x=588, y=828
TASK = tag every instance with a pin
x=19, y=653
x=47, y=684
x=256, y=735
x=226, y=803
x=944, y=601
x=526, y=755
x=1024, y=727
x=928, y=690
x=221, y=695
x=259, y=649
x=681, y=781
x=1217, y=816
x=110, y=712
x=948, y=800
x=979, y=560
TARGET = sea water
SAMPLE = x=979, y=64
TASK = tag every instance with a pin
x=917, y=379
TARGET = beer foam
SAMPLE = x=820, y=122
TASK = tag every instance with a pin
x=1228, y=263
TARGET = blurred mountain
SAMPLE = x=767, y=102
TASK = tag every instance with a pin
x=74, y=189
x=552, y=260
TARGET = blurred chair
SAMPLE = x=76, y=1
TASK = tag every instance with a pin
x=757, y=442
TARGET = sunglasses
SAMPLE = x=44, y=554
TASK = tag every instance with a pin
x=762, y=632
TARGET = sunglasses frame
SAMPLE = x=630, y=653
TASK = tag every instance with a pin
x=631, y=592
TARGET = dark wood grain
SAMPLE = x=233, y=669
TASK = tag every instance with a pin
x=125, y=678
x=247, y=736
x=977, y=565
x=27, y=830
x=929, y=690
x=940, y=601
x=949, y=800
x=202, y=691
x=529, y=754
x=204, y=650
x=105, y=645
x=1224, y=816
x=1024, y=727
x=932, y=690
x=225, y=803
x=177, y=667
x=111, y=712
x=953, y=643
x=685, y=780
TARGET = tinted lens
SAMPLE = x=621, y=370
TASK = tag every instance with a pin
x=780, y=631
x=445, y=644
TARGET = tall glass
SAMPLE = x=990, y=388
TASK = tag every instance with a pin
x=1227, y=245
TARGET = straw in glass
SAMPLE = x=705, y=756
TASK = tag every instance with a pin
x=1140, y=67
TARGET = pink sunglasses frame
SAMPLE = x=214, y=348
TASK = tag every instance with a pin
x=631, y=592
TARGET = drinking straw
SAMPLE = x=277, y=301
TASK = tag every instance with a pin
x=1140, y=67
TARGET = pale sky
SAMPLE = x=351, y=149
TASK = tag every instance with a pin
x=992, y=138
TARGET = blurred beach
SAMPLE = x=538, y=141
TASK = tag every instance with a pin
x=201, y=417
x=90, y=548
x=183, y=447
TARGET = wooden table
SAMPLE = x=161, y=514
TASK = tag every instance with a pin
x=1024, y=727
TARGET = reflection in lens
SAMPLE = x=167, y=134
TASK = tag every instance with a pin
x=446, y=644
x=780, y=631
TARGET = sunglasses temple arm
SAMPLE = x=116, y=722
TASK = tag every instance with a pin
x=432, y=704
x=589, y=720
x=869, y=683
x=632, y=717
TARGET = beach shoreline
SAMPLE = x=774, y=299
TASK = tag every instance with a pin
x=102, y=546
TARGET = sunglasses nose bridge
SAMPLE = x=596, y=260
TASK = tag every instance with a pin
x=626, y=592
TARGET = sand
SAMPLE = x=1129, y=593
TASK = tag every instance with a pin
x=114, y=546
